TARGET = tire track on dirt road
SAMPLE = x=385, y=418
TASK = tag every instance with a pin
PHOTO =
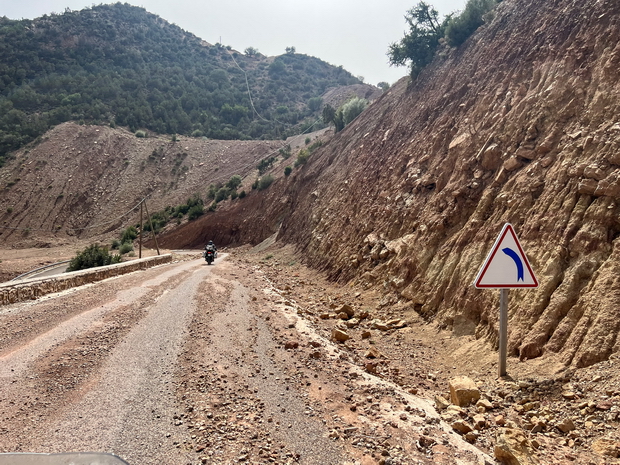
x=127, y=406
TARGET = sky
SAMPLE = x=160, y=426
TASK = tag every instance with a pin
x=354, y=34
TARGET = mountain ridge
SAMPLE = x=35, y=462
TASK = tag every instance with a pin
x=118, y=64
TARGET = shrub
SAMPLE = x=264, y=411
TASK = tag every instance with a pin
x=211, y=191
x=302, y=157
x=242, y=194
x=92, y=256
x=115, y=244
x=251, y=51
x=287, y=170
x=285, y=152
x=213, y=206
x=195, y=212
x=314, y=104
x=307, y=141
x=265, y=182
x=352, y=109
x=222, y=194
x=460, y=27
x=141, y=134
x=129, y=234
x=234, y=182
x=315, y=145
x=125, y=248
x=419, y=45
x=265, y=164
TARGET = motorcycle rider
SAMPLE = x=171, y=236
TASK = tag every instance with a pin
x=211, y=246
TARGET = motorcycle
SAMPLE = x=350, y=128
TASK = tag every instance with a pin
x=209, y=256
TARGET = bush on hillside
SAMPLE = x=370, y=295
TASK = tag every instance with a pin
x=460, y=27
x=302, y=157
x=419, y=46
x=92, y=256
x=129, y=234
x=125, y=248
x=352, y=108
x=265, y=182
x=195, y=212
x=234, y=182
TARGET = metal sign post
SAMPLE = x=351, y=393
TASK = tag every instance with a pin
x=503, y=331
x=505, y=267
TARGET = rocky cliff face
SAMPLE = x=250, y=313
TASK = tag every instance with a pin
x=520, y=125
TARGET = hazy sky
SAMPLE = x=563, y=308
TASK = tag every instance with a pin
x=352, y=33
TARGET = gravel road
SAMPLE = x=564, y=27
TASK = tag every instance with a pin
x=187, y=364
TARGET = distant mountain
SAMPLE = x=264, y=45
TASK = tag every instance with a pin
x=120, y=65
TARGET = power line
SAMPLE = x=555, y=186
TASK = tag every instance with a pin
x=82, y=228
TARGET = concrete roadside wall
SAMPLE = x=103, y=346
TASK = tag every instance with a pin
x=36, y=287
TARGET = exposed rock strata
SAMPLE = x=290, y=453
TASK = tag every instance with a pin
x=519, y=125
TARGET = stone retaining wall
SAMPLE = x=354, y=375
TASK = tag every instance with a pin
x=36, y=287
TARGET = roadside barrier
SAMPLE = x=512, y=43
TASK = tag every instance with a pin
x=31, y=289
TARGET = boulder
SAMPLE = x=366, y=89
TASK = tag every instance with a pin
x=441, y=403
x=606, y=447
x=346, y=309
x=462, y=426
x=463, y=391
x=566, y=425
x=339, y=335
x=513, y=448
x=380, y=325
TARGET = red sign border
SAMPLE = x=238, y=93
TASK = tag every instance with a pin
x=507, y=227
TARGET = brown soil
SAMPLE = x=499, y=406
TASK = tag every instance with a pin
x=284, y=391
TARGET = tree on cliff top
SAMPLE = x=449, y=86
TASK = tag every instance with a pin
x=418, y=46
x=426, y=30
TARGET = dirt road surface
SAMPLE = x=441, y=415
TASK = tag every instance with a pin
x=187, y=364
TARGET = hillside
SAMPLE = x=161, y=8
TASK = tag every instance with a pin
x=519, y=125
x=122, y=66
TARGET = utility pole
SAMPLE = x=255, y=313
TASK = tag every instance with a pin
x=152, y=228
x=140, y=248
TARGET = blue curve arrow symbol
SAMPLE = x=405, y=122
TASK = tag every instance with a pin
x=515, y=256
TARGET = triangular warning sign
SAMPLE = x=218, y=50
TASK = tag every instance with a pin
x=506, y=265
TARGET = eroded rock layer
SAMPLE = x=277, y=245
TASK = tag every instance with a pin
x=521, y=125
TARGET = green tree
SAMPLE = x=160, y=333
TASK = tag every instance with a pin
x=418, y=46
x=251, y=51
x=352, y=108
x=234, y=182
x=460, y=27
x=315, y=103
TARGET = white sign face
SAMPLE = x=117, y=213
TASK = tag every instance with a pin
x=506, y=265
